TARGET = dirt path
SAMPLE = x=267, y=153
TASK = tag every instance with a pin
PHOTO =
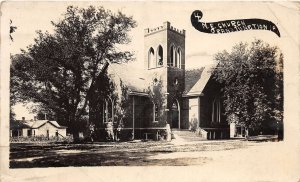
x=208, y=161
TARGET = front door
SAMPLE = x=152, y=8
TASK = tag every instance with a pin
x=175, y=116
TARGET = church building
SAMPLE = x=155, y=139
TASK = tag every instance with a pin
x=164, y=94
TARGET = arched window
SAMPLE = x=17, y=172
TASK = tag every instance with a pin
x=155, y=112
x=175, y=114
x=178, y=56
x=151, y=58
x=172, y=56
x=175, y=60
x=216, y=110
x=174, y=106
x=109, y=107
x=159, y=55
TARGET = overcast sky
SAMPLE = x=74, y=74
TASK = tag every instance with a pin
x=29, y=17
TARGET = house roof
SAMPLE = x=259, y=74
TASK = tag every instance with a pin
x=137, y=79
x=40, y=123
x=197, y=79
x=191, y=78
x=57, y=125
x=134, y=78
x=19, y=124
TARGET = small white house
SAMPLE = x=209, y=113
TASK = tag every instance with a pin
x=31, y=128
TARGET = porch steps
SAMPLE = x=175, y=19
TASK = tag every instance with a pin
x=186, y=135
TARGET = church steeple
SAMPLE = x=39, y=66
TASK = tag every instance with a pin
x=164, y=46
x=165, y=61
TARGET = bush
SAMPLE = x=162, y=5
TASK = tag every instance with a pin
x=194, y=124
x=40, y=139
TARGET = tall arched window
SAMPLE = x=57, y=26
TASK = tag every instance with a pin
x=175, y=114
x=216, y=110
x=151, y=58
x=178, y=56
x=108, y=108
x=172, y=56
x=155, y=112
x=159, y=55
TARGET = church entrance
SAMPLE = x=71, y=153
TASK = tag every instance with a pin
x=175, y=116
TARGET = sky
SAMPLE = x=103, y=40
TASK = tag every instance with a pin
x=200, y=47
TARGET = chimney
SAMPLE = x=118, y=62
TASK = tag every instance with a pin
x=34, y=118
x=23, y=118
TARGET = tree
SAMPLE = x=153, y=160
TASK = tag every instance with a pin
x=12, y=115
x=104, y=90
x=62, y=70
x=252, y=80
x=123, y=109
x=157, y=97
x=12, y=29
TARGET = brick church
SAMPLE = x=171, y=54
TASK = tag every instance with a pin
x=164, y=94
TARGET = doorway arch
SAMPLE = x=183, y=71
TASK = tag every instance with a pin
x=175, y=115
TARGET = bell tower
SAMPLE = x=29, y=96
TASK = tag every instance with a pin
x=164, y=59
x=164, y=46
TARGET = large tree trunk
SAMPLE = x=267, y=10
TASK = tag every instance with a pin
x=75, y=133
x=74, y=127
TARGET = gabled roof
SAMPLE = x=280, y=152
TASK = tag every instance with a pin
x=134, y=78
x=56, y=124
x=19, y=124
x=197, y=79
x=40, y=123
x=137, y=79
x=191, y=78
